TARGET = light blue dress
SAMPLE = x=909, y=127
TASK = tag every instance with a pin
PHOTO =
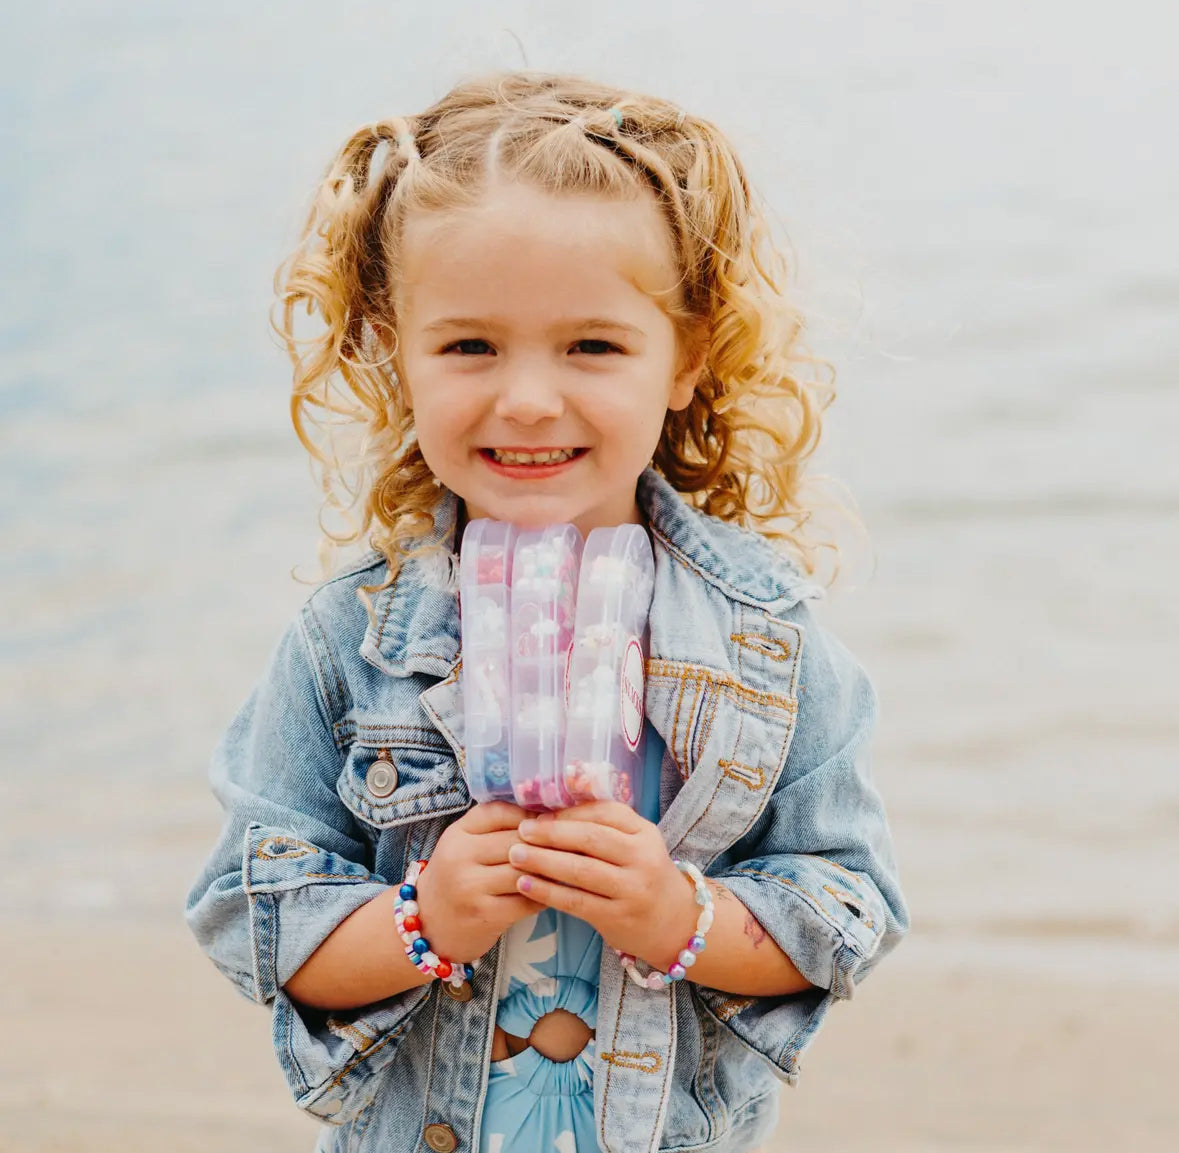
x=551, y=962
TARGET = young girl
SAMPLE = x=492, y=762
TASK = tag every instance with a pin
x=548, y=301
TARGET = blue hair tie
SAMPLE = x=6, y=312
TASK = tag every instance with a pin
x=617, y=114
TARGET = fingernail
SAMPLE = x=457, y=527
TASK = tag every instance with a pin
x=517, y=853
x=524, y=884
x=526, y=827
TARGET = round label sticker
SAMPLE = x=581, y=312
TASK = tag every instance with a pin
x=632, y=694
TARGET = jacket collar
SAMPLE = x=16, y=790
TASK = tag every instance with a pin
x=739, y=562
x=413, y=625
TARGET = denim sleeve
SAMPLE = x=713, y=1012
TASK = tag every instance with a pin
x=817, y=869
x=286, y=870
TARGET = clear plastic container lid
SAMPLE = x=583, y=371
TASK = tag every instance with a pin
x=544, y=602
x=604, y=728
x=485, y=581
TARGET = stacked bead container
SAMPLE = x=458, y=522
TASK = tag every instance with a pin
x=485, y=575
x=543, y=607
x=604, y=728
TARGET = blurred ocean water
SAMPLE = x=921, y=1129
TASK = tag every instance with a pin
x=982, y=206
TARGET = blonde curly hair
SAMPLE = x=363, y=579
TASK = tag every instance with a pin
x=739, y=448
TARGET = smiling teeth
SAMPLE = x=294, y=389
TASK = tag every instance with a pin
x=533, y=457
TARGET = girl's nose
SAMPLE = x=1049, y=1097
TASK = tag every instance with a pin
x=529, y=398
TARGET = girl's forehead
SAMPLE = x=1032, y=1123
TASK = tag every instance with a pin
x=516, y=226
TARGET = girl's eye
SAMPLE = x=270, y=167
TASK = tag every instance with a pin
x=472, y=347
x=595, y=347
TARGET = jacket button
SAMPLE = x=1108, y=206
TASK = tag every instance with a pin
x=381, y=778
x=460, y=993
x=441, y=1138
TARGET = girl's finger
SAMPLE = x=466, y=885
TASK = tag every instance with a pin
x=517, y=906
x=499, y=880
x=491, y=815
x=612, y=813
x=576, y=902
x=600, y=841
x=492, y=848
x=574, y=870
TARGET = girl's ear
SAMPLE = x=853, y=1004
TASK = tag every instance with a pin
x=695, y=357
x=392, y=344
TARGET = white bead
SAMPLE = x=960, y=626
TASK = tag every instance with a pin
x=430, y=960
x=687, y=958
x=411, y=936
x=409, y=909
x=704, y=922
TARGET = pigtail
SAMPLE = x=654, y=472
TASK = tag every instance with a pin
x=347, y=405
x=756, y=419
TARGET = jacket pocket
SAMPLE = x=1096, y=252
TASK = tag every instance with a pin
x=388, y=782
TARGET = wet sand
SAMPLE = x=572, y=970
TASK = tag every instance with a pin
x=128, y=1040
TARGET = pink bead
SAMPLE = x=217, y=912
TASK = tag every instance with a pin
x=676, y=972
x=491, y=567
x=654, y=980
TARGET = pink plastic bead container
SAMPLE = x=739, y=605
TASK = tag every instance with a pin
x=485, y=581
x=544, y=602
x=604, y=727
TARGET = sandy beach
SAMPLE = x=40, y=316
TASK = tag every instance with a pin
x=145, y=1047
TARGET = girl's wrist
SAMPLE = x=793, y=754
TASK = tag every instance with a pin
x=418, y=948
x=679, y=924
x=674, y=932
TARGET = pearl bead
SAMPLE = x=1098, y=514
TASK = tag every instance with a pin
x=696, y=944
x=676, y=972
x=687, y=958
x=443, y=969
x=410, y=909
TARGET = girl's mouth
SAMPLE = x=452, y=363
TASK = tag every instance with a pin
x=543, y=462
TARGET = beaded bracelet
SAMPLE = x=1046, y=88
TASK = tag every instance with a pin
x=687, y=957
x=407, y=917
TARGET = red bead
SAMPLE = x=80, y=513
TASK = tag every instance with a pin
x=412, y=924
x=443, y=969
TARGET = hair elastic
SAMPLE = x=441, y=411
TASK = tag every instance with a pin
x=407, y=143
x=616, y=112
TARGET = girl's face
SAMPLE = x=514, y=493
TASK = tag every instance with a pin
x=538, y=364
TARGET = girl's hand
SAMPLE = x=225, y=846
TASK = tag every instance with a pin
x=604, y=863
x=468, y=893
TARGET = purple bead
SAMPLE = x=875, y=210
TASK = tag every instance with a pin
x=407, y=892
x=676, y=972
x=696, y=944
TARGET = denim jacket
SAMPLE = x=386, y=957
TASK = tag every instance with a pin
x=765, y=786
